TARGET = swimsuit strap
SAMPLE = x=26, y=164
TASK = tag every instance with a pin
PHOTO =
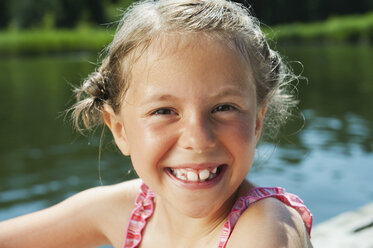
x=143, y=210
x=257, y=194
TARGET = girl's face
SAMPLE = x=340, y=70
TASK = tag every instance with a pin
x=190, y=122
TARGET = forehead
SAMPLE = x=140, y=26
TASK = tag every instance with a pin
x=180, y=45
x=172, y=55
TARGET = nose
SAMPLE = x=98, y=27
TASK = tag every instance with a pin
x=197, y=134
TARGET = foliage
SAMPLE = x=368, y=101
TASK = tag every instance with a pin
x=272, y=12
x=28, y=14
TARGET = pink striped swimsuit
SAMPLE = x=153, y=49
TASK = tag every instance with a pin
x=145, y=207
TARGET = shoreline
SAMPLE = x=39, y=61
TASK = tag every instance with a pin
x=351, y=29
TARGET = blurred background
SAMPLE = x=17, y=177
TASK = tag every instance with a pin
x=324, y=154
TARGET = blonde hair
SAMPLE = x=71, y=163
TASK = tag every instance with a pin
x=147, y=20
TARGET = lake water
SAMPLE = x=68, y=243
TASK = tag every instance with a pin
x=327, y=159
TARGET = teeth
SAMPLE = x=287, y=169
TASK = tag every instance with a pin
x=183, y=177
x=194, y=175
x=204, y=174
x=180, y=172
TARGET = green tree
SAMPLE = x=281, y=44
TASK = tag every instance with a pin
x=286, y=11
x=4, y=13
x=30, y=13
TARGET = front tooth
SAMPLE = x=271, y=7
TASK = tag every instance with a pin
x=204, y=174
x=192, y=176
x=182, y=177
x=182, y=171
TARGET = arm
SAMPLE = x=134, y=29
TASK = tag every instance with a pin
x=84, y=220
x=270, y=224
x=71, y=223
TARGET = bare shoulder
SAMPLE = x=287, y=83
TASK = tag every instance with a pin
x=121, y=193
x=93, y=217
x=104, y=196
x=115, y=204
x=270, y=223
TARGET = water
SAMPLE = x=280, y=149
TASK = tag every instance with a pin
x=329, y=162
x=327, y=159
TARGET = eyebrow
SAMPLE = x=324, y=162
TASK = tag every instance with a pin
x=159, y=97
x=168, y=97
x=229, y=92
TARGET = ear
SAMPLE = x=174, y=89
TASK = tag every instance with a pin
x=116, y=127
x=261, y=111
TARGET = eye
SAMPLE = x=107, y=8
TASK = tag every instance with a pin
x=224, y=108
x=163, y=111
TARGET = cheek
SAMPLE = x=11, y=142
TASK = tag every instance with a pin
x=242, y=131
x=149, y=144
x=241, y=140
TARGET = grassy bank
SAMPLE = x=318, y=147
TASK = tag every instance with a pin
x=348, y=29
x=345, y=29
x=53, y=41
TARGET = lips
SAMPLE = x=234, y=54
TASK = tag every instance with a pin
x=190, y=175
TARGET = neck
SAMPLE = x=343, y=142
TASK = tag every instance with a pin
x=183, y=229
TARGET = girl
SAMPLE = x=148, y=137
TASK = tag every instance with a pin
x=185, y=89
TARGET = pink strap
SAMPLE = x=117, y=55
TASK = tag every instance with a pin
x=257, y=194
x=144, y=209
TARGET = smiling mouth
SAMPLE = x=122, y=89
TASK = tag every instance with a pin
x=192, y=175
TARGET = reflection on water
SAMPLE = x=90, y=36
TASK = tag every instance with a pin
x=328, y=162
x=42, y=161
